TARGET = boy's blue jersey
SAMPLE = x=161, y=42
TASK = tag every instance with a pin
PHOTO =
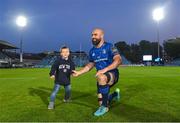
x=103, y=56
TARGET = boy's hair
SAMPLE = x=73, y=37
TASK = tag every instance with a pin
x=63, y=47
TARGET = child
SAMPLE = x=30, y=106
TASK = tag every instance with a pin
x=61, y=71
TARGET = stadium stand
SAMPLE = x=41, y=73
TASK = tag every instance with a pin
x=47, y=61
x=175, y=62
x=125, y=61
x=10, y=58
x=79, y=58
x=5, y=60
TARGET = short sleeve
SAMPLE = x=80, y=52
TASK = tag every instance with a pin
x=113, y=51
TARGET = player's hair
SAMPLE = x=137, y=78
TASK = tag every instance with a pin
x=63, y=47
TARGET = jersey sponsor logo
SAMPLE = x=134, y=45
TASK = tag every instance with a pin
x=103, y=59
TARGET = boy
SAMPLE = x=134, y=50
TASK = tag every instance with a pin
x=61, y=71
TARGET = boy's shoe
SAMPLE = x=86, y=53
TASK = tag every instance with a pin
x=101, y=111
x=67, y=100
x=51, y=105
x=118, y=94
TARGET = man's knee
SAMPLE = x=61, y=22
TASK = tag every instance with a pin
x=99, y=95
x=111, y=80
x=102, y=79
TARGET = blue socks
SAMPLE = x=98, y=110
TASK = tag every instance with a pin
x=104, y=90
x=111, y=96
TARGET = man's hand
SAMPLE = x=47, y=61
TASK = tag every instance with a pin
x=52, y=77
x=76, y=73
x=101, y=72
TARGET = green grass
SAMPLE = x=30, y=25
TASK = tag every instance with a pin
x=147, y=94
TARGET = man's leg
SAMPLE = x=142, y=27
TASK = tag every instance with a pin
x=104, y=91
x=53, y=96
x=99, y=95
x=111, y=83
x=67, y=93
x=112, y=96
x=99, y=98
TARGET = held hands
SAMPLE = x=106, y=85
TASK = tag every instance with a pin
x=76, y=73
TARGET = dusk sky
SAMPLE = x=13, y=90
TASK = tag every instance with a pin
x=52, y=23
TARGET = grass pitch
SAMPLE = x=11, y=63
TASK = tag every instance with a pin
x=147, y=94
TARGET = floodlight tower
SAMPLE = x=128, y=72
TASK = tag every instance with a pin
x=158, y=14
x=21, y=22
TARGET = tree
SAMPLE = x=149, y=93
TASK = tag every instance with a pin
x=131, y=52
x=172, y=47
x=122, y=47
x=145, y=47
x=134, y=52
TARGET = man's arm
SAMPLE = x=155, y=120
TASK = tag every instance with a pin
x=85, y=69
x=116, y=62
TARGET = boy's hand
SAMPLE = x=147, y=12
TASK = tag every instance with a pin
x=52, y=77
x=75, y=73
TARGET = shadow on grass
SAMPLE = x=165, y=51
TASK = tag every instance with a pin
x=133, y=90
x=137, y=114
x=133, y=113
x=42, y=93
x=128, y=93
x=78, y=97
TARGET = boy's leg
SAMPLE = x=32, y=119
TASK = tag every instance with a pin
x=67, y=92
x=53, y=96
x=54, y=92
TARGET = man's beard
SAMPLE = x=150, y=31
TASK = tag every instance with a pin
x=96, y=41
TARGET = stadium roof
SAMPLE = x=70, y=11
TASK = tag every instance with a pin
x=6, y=45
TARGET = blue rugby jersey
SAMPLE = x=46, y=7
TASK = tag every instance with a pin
x=103, y=56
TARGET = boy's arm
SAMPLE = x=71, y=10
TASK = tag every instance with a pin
x=72, y=67
x=53, y=69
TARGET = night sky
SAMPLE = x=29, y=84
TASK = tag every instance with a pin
x=52, y=23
